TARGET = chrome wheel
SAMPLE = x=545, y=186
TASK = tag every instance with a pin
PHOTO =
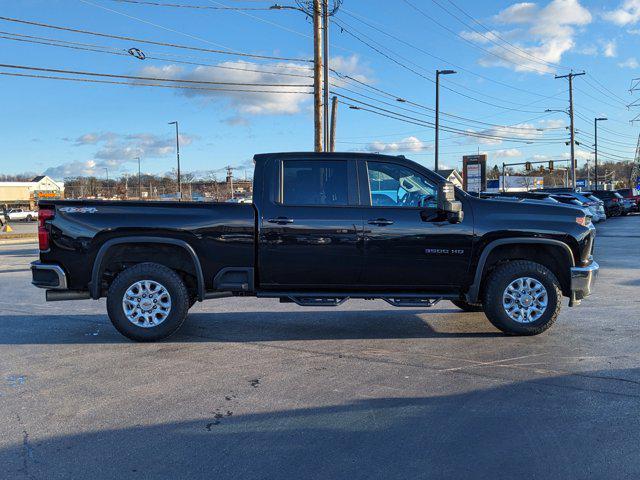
x=525, y=300
x=146, y=303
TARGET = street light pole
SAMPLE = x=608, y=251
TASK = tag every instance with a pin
x=437, y=139
x=595, y=126
x=108, y=189
x=178, y=158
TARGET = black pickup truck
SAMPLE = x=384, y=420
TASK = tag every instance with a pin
x=323, y=228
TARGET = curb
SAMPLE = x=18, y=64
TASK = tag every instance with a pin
x=12, y=241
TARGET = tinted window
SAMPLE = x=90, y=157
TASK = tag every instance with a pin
x=393, y=185
x=315, y=182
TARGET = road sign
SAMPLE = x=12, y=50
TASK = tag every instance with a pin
x=474, y=172
x=581, y=183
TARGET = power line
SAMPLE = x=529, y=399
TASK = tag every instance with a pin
x=425, y=77
x=153, y=42
x=528, y=57
x=133, y=77
x=114, y=51
x=366, y=21
x=137, y=84
x=180, y=5
x=456, y=34
x=466, y=119
x=414, y=120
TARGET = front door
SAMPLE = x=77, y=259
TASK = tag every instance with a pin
x=310, y=232
x=407, y=244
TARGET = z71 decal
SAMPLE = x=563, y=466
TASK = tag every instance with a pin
x=78, y=210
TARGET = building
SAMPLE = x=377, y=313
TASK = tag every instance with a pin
x=452, y=175
x=29, y=193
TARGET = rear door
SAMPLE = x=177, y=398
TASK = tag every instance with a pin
x=408, y=245
x=311, y=225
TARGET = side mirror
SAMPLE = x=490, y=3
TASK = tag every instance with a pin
x=448, y=204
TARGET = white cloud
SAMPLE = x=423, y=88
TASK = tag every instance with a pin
x=555, y=123
x=631, y=62
x=628, y=13
x=610, y=49
x=524, y=131
x=351, y=66
x=543, y=35
x=580, y=155
x=72, y=169
x=408, y=144
x=267, y=100
x=115, y=150
x=635, y=31
x=507, y=153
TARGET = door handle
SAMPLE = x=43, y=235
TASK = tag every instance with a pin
x=280, y=220
x=381, y=222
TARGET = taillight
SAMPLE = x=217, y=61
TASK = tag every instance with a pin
x=614, y=200
x=584, y=221
x=43, y=234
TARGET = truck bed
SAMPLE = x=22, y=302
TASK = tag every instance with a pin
x=221, y=234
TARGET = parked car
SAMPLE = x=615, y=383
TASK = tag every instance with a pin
x=320, y=230
x=612, y=202
x=534, y=195
x=570, y=200
x=599, y=205
x=587, y=202
x=16, y=214
x=633, y=195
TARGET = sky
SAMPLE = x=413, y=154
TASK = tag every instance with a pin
x=506, y=56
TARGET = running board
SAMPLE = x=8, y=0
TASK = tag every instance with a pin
x=333, y=299
x=318, y=301
x=412, y=302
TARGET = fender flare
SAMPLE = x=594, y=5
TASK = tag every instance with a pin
x=474, y=289
x=96, y=273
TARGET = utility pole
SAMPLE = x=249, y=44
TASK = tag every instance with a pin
x=139, y=181
x=230, y=179
x=572, y=127
x=178, y=157
x=334, y=117
x=108, y=189
x=325, y=22
x=595, y=127
x=317, y=76
x=437, y=142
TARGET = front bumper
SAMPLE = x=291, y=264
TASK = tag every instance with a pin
x=582, y=281
x=48, y=276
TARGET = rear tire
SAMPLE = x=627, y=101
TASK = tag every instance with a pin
x=467, y=307
x=150, y=324
x=541, y=287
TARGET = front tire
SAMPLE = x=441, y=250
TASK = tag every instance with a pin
x=147, y=302
x=522, y=298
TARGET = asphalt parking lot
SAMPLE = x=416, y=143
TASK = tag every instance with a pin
x=254, y=389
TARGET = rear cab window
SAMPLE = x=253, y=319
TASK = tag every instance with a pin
x=315, y=183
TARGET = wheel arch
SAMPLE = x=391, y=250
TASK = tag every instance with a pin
x=508, y=248
x=99, y=262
